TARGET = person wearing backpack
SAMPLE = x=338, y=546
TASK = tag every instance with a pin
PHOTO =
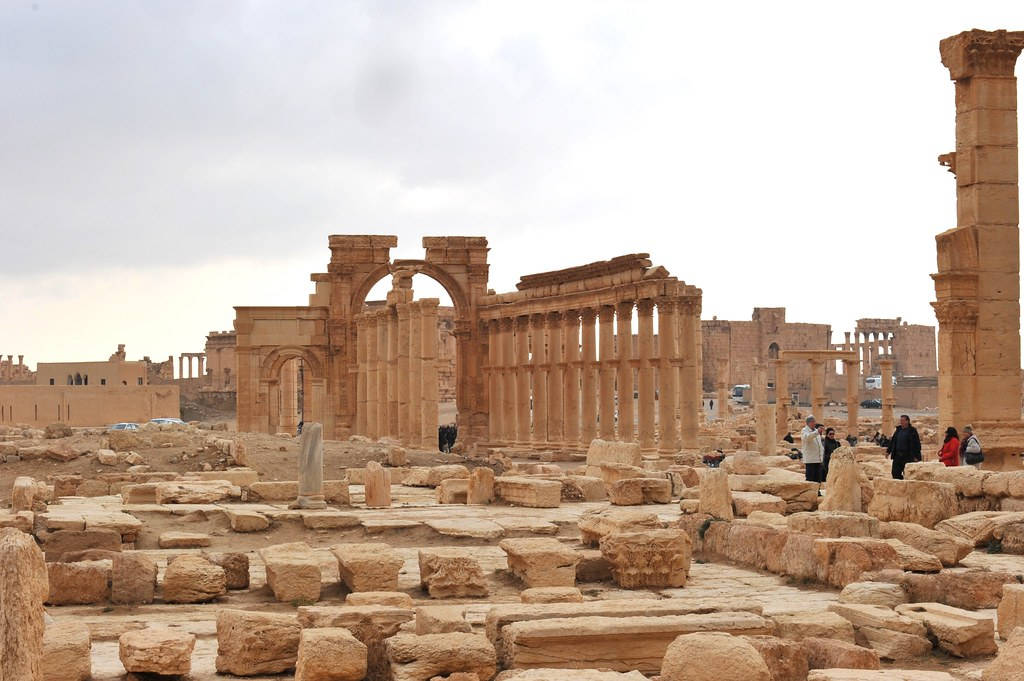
x=971, y=448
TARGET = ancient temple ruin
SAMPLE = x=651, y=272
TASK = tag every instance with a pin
x=540, y=366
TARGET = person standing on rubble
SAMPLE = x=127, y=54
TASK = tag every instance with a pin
x=904, y=447
x=811, y=450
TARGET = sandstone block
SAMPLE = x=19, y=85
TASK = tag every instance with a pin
x=541, y=561
x=293, y=572
x=453, y=491
x=330, y=654
x=605, y=451
x=67, y=652
x=959, y=632
x=913, y=501
x=723, y=657
x=23, y=493
x=441, y=619
x=133, y=578
x=451, y=573
x=978, y=527
x=23, y=588
x=205, y=492
x=1010, y=613
x=877, y=675
x=745, y=503
x=648, y=558
x=396, y=599
x=638, y=491
x=949, y=549
x=328, y=519
x=893, y=645
x=480, y=488
x=843, y=560
x=420, y=658
x=157, y=651
x=236, y=568
x=377, y=486
x=595, y=524
x=530, y=492
x=551, y=594
x=583, y=488
x=800, y=625
x=842, y=487
x=247, y=521
x=1009, y=662
x=183, y=540
x=78, y=583
x=828, y=653
x=252, y=643
x=786, y=660
x=834, y=524
x=368, y=567
x=370, y=624
x=193, y=579
x=873, y=593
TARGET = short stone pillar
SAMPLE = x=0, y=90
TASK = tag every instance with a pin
x=377, y=486
x=481, y=486
x=842, y=487
x=24, y=586
x=888, y=397
x=311, y=468
x=715, y=495
x=764, y=416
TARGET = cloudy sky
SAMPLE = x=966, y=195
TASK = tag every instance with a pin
x=162, y=161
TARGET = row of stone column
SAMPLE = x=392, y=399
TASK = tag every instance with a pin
x=198, y=356
x=783, y=398
x=562, y=378
x=870, y=347
x=396, y=384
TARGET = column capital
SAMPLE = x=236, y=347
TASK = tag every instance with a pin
x=689, y=306
x=956, y=315
x=981, y=53
x=522, y=322
x=536, y=320
x=588, y=314
x=625, y=308
x=645, y=307
x=554, y=318
x=606, y=312
x=667, y=304
x=506, y=323
x=403, y=310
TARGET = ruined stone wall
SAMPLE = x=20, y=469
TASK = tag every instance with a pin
x=446, y=380
x=914, y=350
x=15, y=372
x=85, y=406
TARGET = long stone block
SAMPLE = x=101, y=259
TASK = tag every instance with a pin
x=531, y=492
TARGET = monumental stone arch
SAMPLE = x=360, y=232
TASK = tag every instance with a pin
x=542, y=366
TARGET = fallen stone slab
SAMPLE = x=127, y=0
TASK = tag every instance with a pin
x=913, y=560
x=877, y=675
x=442, y=619
x=721, y=657
x=370, y=624
x=639, y=491
x=873, y=593
x=834, y=524
x=476, y=528
x=1010, y=613
x=949, y=549
x=193, y=579
x=959, y=632
x=247, y=521
x=800, y=625
x=745, y=503
x=595, y=524
x=551, y=594
x=568, y=675
x=530, y=492
x=199, y=492
x=328, y=519
x=79, y=583
x=913, y=501
x=183, y=540
x=786, y=660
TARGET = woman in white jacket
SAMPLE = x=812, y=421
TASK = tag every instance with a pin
x=812, y=450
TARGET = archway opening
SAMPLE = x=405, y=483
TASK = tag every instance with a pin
x=291, y=387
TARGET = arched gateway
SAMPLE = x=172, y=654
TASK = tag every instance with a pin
x=539, y=367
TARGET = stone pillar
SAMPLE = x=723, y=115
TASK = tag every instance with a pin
x=556, y=433
x=606, y=319
x=818, y=388
x=645, y=353
x=377, y=481
x=852, y=396
x=382, y=373
x=888, y=398
x=764, y=420
x=539, y=377
x=723, y=387
x=978, y=283
x=404, y=435
x=668, y=431
x=571, y=378
x=181, y=366
x=589, y=380
x=872, y=350
x=759, y=384
x=23, y=588
x=372, y=385
x=494, y=386
x=393, y=372
x=415, y=373
x=311, y=468
x=507, y=360
x=624, y=377
x=361, y=374
x=522, y=361
x=690, y=391
x=781, y=398
x=428, y=345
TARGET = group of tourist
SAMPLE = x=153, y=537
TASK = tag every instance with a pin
x=818, y=443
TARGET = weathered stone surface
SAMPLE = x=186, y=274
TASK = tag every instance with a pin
x=441, y=619
x=877, y=675
x=583, y=488
x=745, y=503
x=967, y=480
x=877, y=617
x=330, y=654
x=834, y=524
x=193, y=579
x=606, y=451
x=204, y=492
x=842, y=487
x=893, y=645
x=638, y=491
x=1010, y=613
x=67, y=652
x=615, y=643
x=397, y=599
x=419, y=658
x=913, y=560
x=372, y=566
x=328, y=519
x=247, y=521
x=595, y=524
x=236, y=568
x=23, y=587
x=293, y=572
x=551, y=594
x=786, y=660
x=183, y=540
x=873, y=593
x=913, y=501
x=800, y=625
x=715, y=496
x=451, y=573
x=565, y=675
x=723, y=657
x=969, y=589
x=978, y=527
x=133, y=578
x=157, y=651
x=423, y=476
x=78, y=583
x=56, y=544
x=370, y=624
x=480, y=486
x=648, y=558
x=959, y=632
x=23, y=493
x=478, y=528
x=251, y=643
x=1009, y=663
x=843, y=560
x=377, y=486
x=828, y=653
x=531, y=492
x=541, y=561
x=754, y=545
x=949, y=549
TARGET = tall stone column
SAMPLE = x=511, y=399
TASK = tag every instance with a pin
x=723, y=387
x=645, y=378
x=556, y=432
x=428, y=345
x=523, y=398
x=888, y=397
x=415, y=373
x=311, y=468
x=624, y=377
x=668, y=431
x=372, y=384
x=404, y=434
x=508, y=381
x=381, y=317
x=494, y=385
x=588, y=411
x=392, y=355
x=759, y=384
x=781, y=398
x=690, y=390
x=571, y=378
x=872, y=350
x=852, y=396
x=539, y=379
x=978, y=282
x=818, y=388
x=361, y=373
x=606, y=319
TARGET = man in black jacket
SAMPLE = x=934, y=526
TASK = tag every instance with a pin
x=904, y=447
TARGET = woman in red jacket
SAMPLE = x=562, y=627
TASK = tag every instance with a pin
x=950, y=452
